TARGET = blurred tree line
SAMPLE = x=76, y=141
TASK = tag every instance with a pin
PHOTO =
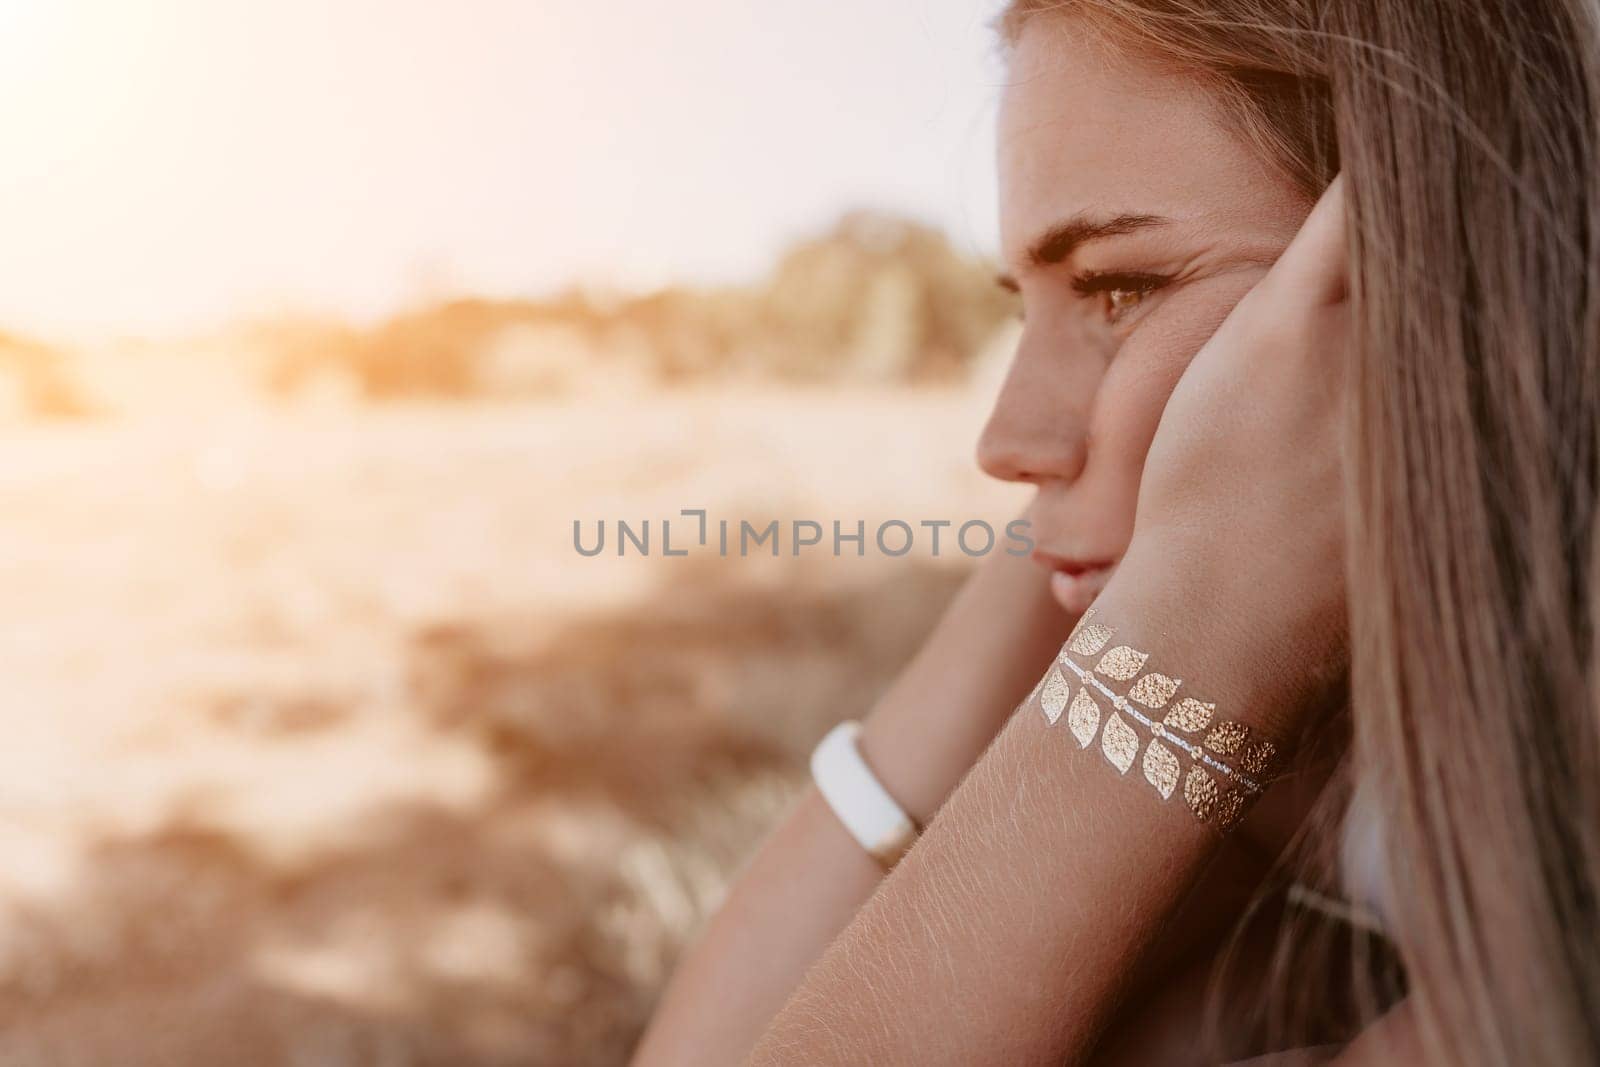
x=875, y=299
x=35, y=381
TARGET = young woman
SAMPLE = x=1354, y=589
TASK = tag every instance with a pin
x=1298, y=457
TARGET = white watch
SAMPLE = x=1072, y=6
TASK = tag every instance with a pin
x=866, y=809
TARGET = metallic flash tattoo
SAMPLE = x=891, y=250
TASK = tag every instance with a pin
x=1215, y=789
x=1119, y=743
x=1087, y=640
x=1161, y=768
x=1122, y=663
x=1190, y=715
x=1053, y=695
x=1154, y=690
x=1084, y=719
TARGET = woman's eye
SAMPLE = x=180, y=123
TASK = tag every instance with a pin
x=1118, y=302
x=1117, y=295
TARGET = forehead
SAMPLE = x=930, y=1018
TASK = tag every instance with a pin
x=1087, y=127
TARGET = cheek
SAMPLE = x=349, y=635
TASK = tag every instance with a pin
x=1146, y=370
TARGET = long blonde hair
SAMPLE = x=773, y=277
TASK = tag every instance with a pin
x=1467, y=133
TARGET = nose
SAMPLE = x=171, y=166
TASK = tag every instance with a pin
x=1038, y=431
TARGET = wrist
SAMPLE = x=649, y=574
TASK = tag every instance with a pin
x=926, y=732
x=920, y=760
x=1265, y=649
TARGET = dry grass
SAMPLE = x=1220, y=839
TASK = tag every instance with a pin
x=325, y=748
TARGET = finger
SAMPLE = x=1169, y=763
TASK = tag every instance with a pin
x=1316, y=263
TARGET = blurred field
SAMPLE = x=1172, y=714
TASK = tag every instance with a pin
x=324, y=747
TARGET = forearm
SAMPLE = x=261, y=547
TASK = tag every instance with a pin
x=1082, y=872
x=1014, y=928
x=931, y=726
x=811, y=877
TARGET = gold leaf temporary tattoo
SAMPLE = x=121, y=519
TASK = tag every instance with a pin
x=1226, y=737
x=1190, y=715
x=1084, y=718
x=1122, y=663
x=1220, y=774
x=1119, y=743
x=1153, y=690
x=1161, y=768
x=1053, y=697
x=1090, y=639
x=1230, y=809
x=1257, y=757
x=1200, y=793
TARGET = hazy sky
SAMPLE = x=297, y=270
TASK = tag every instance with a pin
x=168, y=164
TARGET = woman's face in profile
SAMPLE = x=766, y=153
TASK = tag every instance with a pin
x=1132, y=219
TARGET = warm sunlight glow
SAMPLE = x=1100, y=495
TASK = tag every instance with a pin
x=16, y=15
x=175, y=163
x=24, y=25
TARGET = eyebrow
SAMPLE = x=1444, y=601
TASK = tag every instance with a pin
x=1065, y=237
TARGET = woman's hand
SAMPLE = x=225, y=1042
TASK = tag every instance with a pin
x=1240, y=523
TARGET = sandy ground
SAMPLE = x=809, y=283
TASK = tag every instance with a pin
x=324, y=747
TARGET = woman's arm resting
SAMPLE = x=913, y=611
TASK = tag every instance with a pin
x=1014, y=928
x=811, y=877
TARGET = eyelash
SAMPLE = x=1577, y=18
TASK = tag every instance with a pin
x=1103, y=283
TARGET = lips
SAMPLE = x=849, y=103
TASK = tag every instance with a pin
x=1075, y=582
